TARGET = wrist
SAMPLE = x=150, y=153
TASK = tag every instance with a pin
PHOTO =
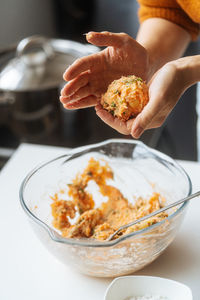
x=153, y=63
x=188, y=68
x=163, y=40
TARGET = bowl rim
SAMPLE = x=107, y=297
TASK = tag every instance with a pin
x=116, y=280
x=91, y=243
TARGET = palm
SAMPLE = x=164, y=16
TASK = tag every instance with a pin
x=90, y=76
x=115, y=63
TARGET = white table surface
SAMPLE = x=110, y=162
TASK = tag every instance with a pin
x=28, y=271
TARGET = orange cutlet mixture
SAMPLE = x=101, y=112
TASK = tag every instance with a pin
x=99, y=223
x=125, y=97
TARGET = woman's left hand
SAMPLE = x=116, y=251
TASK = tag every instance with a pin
x=89, y=77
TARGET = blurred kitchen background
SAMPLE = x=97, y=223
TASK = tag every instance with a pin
x=31, y=77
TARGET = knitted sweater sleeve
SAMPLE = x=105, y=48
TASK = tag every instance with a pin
x=171, y=11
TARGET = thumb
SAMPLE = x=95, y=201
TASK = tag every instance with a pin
x=106, y=38
x=144, y=120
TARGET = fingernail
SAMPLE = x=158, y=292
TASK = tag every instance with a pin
x=71, y=103
x=64, y=76
x=89, y=34
x=136, y=133
x=62, y=98
x=69, y=106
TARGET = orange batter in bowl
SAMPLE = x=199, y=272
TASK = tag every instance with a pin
x=99, y=223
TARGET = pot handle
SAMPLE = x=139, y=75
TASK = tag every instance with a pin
x=33, y=42
x=6, y=99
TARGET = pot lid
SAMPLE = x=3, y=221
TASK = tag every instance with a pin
x=40, y=63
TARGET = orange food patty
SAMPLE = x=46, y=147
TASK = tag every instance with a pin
x=125, y=97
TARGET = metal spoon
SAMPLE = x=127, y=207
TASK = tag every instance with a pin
x=154, y=214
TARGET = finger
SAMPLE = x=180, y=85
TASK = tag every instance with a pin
x=113, y=122
x=129, y=125
x=83, y=103
x=74, y=85
x=81, y=65
x=156, y=122
x=62, y=99
x=145, y=118
x=106, y=38
x=81, y=93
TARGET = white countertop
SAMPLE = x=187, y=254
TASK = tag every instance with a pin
x=28, y=271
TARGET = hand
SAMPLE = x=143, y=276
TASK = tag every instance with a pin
x=165, y=89
x=88, y=77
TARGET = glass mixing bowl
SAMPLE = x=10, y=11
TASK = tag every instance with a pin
x=139, y=171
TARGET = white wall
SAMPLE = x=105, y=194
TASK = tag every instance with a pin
x=21, y=18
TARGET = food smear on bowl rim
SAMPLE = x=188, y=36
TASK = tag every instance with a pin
x=126, y=97
x=99, y=223
x=148, y=297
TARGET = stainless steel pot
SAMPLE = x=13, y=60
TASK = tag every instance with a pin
x=30, y=84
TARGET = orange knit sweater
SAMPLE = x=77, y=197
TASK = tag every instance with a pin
x=185, y=13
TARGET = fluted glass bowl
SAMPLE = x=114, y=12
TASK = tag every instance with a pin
x=140, y=171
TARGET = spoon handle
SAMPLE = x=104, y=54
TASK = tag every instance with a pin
x=154, y=213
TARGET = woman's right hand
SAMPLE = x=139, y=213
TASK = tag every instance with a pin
x=88, y=77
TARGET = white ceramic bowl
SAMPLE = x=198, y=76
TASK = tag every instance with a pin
x=122, y=288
